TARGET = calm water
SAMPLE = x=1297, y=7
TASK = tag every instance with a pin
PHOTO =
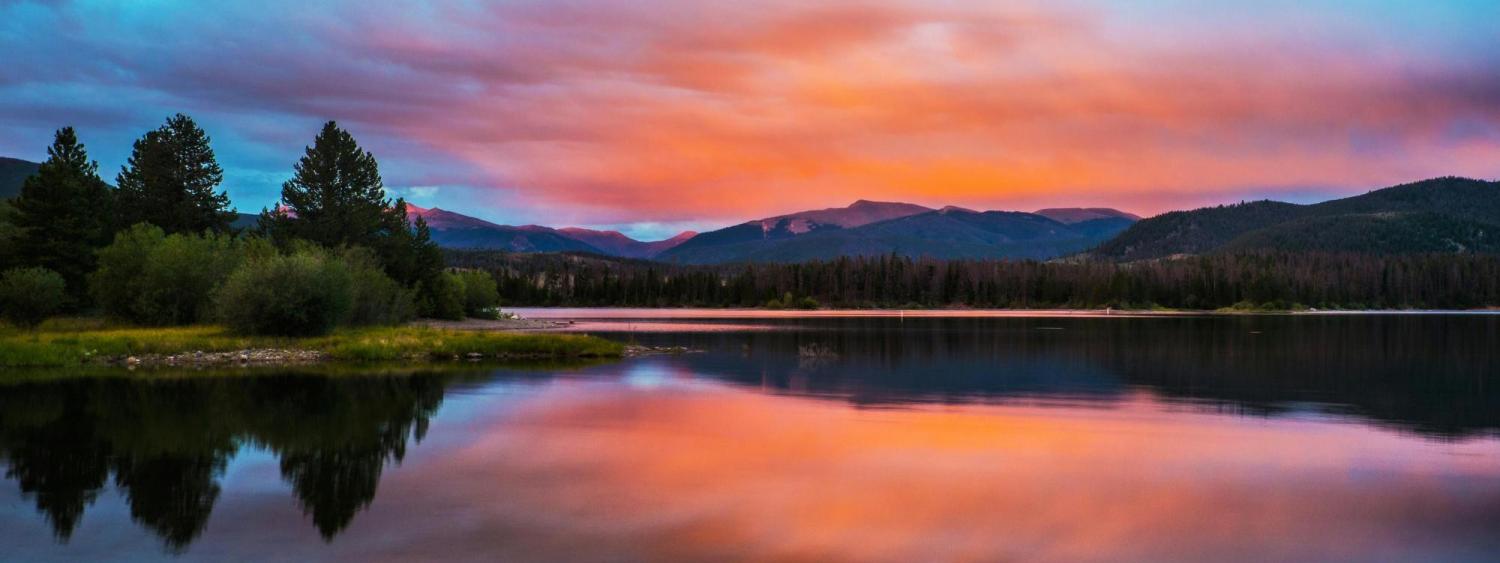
x=1064, y=438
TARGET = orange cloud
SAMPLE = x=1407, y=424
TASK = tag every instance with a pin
x=599, y=112
x=733, y=111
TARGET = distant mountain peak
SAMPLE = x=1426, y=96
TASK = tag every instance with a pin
x=865, y=203
x=437, y=218
x=955, y=209
x=13, y=173
x=1070, y=215
x=617, y=243
x=861, y=212
x=583, y=231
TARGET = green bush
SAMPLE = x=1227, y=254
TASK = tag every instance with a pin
x=303, y=294
x=148, y=278
x=376, y=299
x=442, y=297
x=29, y=295
x=790, y=301
x=481, y=293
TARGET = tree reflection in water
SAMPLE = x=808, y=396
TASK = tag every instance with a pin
x=167, y=441
x=1433, y=375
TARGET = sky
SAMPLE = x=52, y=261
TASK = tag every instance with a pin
x=653, y=116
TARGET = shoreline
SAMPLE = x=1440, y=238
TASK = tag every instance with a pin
x=560, y=317
x=284, y=357
x=81, y=344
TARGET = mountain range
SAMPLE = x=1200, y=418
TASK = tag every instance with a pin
x=868, y=228
x=863, y=228
x=455, y=230
x=1438, y=215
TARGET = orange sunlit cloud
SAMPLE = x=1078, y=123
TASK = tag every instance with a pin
x=726, y=113
x=595, y=112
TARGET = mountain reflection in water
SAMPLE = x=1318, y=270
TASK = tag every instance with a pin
x=969, y=438
x=1433, y=374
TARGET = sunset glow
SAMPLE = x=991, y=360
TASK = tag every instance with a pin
x=666, y=114
x=703, y=473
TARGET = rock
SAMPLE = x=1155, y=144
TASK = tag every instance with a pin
x=816, y=350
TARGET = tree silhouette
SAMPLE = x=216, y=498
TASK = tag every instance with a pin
x=172, y=181
x=63, y=212
x=172, y=495
x=167, y=443
x=53, y=449
x=337, y=198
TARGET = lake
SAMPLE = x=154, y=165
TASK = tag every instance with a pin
x=915, y=437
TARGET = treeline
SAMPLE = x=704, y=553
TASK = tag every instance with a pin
x=1244, y=281
x=159, y=248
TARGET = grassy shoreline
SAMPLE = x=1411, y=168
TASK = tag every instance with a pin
x=78, y=342
x=530, y=310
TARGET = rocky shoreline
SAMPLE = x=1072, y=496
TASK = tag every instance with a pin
x=263, y=357
x=509, y=325
x=252, y=357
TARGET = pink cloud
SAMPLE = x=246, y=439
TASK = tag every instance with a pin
x=587, y=111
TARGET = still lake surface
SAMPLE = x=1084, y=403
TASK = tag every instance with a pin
x=827, y=438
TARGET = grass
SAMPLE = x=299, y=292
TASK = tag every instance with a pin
x=382, y=344
x=73, y=342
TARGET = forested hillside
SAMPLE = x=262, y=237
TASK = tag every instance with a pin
x=950, y=233
x=1439, y=215
x=13, y=172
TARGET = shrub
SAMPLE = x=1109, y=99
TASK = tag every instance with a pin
x=442, y=297
x=148, y=278
x=481, y=294
x=29, y=295
x=789, y=301
x=303, y=294
x=376, y=299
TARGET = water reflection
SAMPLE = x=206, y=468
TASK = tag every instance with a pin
x=166, y=442
x=970, y=438
x=1436, y=375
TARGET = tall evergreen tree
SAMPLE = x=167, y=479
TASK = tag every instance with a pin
x=63, y=212
x=10, y=236
x=336, y=198
x=172, y=181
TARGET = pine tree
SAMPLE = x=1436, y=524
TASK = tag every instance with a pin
x=63, y=212
x=172, y=181
x=336, y=196
x=10, y=236
x=336, y=199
